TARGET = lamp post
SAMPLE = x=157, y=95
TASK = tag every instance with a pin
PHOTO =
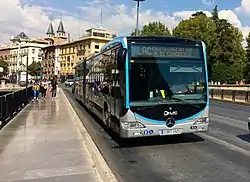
x=137, y=16
x=27, y=78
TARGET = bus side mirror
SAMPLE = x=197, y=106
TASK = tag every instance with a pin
x=121, y=59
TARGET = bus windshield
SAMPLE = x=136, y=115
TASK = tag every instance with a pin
x=166, y=76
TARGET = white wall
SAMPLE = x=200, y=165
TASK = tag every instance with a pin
x=33, y=50
x=57, y=61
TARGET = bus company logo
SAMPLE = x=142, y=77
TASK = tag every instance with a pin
x=170, y=122
x=172, y=113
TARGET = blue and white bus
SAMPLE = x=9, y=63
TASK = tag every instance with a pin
x=147, y=86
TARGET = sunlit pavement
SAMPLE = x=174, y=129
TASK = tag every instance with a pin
x=42, y=143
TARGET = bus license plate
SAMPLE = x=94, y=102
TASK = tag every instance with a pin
x=170, y=132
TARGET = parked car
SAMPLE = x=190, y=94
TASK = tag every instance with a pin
x=69, y=82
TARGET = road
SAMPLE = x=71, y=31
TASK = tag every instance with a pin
x=222, y=154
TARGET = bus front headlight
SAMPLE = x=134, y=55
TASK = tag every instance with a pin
x=132, y=125
x=204, y=120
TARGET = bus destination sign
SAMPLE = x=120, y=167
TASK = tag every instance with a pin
x=165, y=51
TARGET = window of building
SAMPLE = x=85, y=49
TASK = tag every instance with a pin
x=68, y=58
x=96, y=46
x=33, y=51
x=33, y=59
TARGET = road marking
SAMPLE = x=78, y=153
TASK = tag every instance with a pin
x=236, y=120
x=226, y=144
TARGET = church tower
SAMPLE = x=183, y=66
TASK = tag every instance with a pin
x=50, y=31
x=60, y=31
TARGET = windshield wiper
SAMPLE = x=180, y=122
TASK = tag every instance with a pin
x=184, y=102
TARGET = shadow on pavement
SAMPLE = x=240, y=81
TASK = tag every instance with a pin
x=245, y=137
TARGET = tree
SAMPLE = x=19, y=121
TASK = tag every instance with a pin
x=247, y=68
x=34, y=68
x=199, y=27
x=5, y=67
x=222, y=39
x=154, y=29
x=228, y=48
x=215, y=14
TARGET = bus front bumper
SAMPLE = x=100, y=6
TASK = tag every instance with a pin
x=163, y=130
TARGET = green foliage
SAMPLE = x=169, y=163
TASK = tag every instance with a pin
x=199, y=27
x=153, y=29
x=247, y=68
x=4, y=65
x=35, y=68
x=223, y=42
x=227, y=73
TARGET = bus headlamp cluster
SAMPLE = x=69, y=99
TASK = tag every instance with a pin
x=203, y=120
x=132, y=125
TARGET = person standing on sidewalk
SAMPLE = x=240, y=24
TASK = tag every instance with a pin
x=54, y=88
x=44, y=88
x=35, y=89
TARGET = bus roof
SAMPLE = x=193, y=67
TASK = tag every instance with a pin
x=123, y=39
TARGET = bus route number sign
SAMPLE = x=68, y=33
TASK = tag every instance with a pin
x=165, y=51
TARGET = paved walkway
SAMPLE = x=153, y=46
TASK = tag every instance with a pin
x=42, y=143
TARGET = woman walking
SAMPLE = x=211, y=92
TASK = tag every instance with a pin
x=44, y=89
x=54, y=88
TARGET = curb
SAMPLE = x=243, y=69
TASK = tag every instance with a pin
x=102, y=167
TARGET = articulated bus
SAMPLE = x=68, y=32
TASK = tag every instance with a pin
x=147, y=86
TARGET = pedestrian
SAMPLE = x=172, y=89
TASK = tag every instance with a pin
x=35, y=89
x=44, y=88
x=54, y=88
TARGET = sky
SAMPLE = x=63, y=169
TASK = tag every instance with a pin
x=33, y=16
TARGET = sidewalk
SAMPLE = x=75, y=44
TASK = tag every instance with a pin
x=42, y=143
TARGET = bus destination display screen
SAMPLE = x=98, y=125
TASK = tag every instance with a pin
x=160, y=51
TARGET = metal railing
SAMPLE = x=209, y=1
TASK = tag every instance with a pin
x=233, y=95
x=12, y=102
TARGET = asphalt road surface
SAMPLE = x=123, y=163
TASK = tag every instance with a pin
x=222, y=154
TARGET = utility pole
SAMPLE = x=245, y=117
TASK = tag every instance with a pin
x=27, y=78
x=101, y=19
x=137, y=16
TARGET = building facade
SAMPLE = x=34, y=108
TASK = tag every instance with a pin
x=24, y=50
x=73, y=52
x=5, y=53
x=51, y=62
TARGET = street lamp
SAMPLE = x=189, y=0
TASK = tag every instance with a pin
x=137, y=16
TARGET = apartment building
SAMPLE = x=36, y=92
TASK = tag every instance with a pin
x=72, y=52
x=51, y=62
x=24, y=50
